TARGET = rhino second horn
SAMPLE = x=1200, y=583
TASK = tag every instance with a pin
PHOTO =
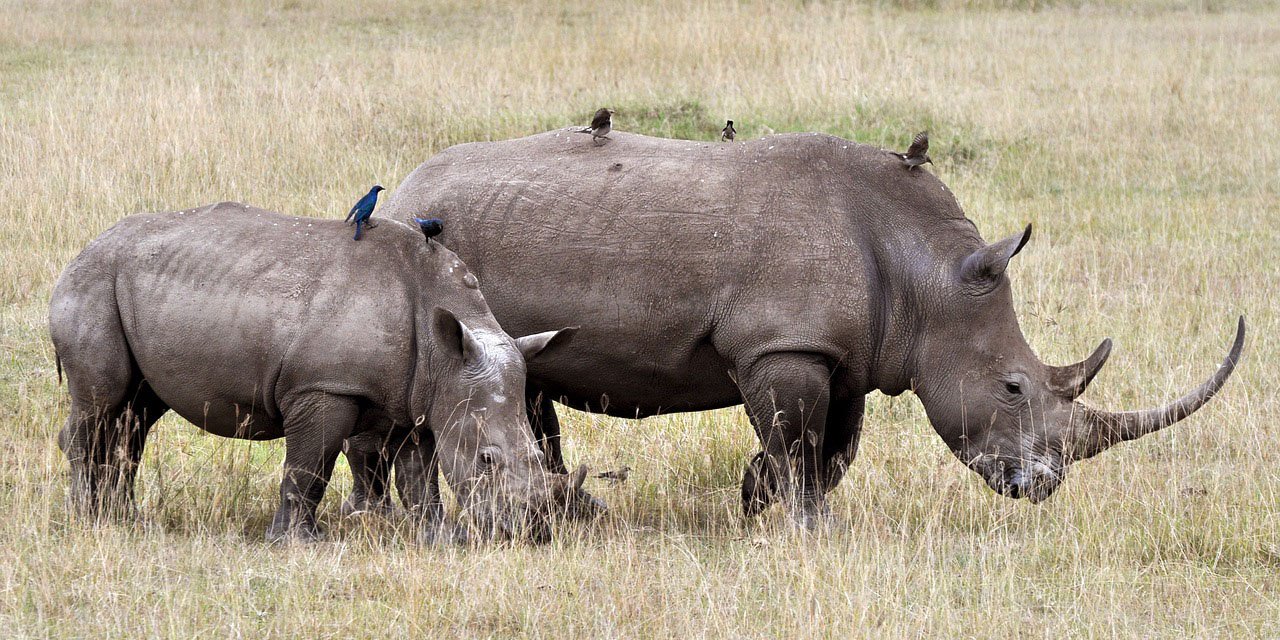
x=563, y=488
x=1097, y=430
x=1070, y=381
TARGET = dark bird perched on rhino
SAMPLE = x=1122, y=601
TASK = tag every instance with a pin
x=249, y=336
x=363, y=209
x=918, y=153
x=794, y=274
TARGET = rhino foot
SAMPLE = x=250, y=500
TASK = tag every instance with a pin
x=311, y=533
x=436, y=533
x=811, y=520
x=354, y=506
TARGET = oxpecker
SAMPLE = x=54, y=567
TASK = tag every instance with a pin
x=601, y=125
x=918, y=153
x=728, y=132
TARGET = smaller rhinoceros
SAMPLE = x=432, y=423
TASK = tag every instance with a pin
x=251, y=324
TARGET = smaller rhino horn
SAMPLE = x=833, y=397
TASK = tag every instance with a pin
x=1070, y=381
x=577, y=477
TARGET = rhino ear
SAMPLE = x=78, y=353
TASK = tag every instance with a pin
x=532, y=345
x=981, y=269
x=455, y=338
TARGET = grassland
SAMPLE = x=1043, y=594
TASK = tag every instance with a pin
x=1138, y=137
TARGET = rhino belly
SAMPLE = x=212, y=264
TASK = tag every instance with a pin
x=631, y=390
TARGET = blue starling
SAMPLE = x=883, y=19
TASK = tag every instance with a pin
x=430, y=228
x=728, y=132
x=918, y=153
x=601, y=125
x=359, y=214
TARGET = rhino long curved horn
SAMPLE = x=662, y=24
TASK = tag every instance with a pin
x=1096, y=430
x=1070, y=381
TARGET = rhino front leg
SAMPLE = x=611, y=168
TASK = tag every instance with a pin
x=418, y=483
x=314, y=428
x=368, y=455
x=844, y=429
x=546, y=428
x=787, y=396
x=839, y=447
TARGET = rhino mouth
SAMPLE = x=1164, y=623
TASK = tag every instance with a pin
x=527, y=525
x=1018, y=478
x=498, y=512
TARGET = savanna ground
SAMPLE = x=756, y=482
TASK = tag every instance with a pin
x=1139, y=138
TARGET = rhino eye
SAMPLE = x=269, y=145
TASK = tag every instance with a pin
x=488, y=457
x=1013, y=388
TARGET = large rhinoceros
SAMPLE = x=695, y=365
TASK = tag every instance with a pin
x=255, y=325
x=794, y=274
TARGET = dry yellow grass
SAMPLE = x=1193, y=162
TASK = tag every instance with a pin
x=1139, y=138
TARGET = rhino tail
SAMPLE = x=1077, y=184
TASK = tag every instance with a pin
x=57, y=362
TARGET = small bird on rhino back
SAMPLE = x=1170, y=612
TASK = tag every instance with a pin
x=359, y=214
x=601, y=125
x=728, y=132
x=918, y=153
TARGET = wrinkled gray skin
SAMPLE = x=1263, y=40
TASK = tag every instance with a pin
x=255, y=325
x=795, y=274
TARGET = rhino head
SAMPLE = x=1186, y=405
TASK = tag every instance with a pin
x=1008, y=416
x=483, y=440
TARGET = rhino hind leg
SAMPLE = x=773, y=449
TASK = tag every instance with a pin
x=314, y=429
x=787, y=397
x=112, y=406
x=104, y=445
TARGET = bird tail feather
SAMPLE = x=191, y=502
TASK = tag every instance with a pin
x=359, y=227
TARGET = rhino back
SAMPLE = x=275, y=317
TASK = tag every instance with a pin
x=231, y=311
x=680, y=259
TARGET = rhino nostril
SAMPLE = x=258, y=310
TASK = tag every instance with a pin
x=1015, y=482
